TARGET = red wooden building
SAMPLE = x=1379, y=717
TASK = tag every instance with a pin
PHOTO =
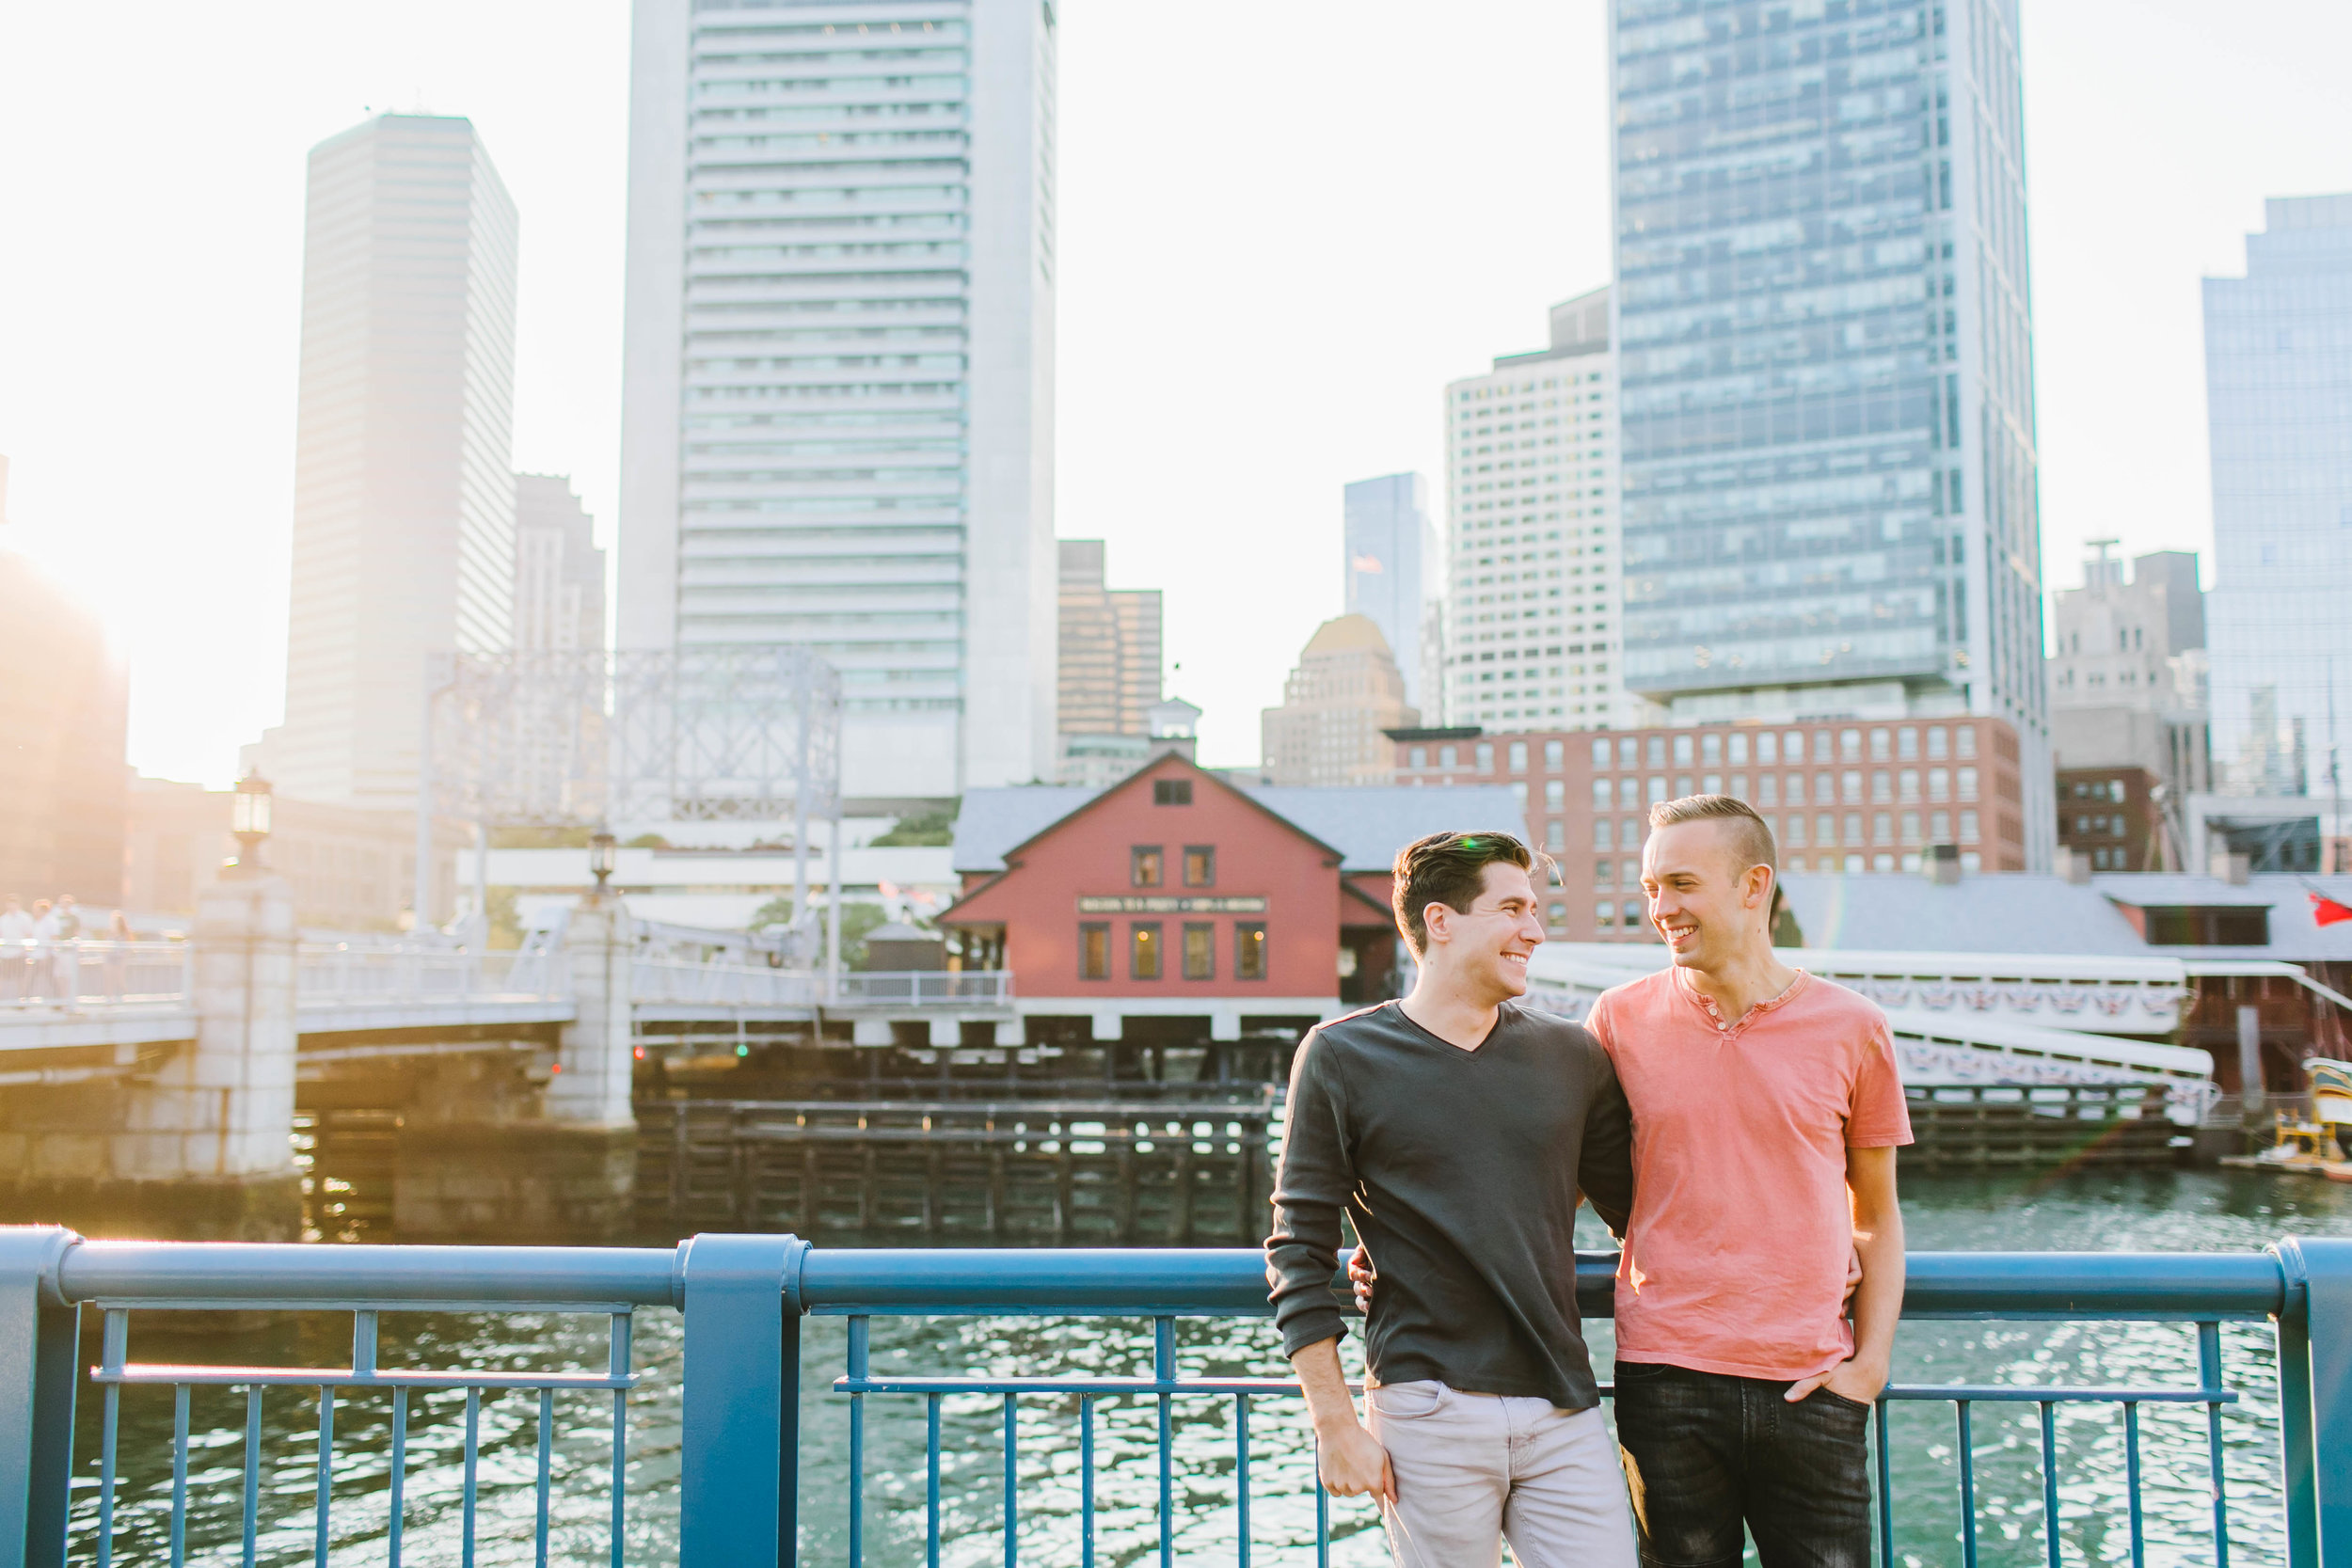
x=1177, y=909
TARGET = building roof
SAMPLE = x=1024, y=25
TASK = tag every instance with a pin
x=1368, y=824
x=1347, y=634
x=2021, y=912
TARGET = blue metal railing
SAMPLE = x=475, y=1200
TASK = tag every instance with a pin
x=745, y=1299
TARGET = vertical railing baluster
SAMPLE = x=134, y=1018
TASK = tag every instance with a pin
x=860, y=1330
x=1164, y=1370
x=1012, y=1481
x=547, y=1465
x=252, y=1509
x=178, y=1474
x=1968, y=1489
x=2209, y=1371
x=397, y=1503
x=2049, y=1479
x=473, y=1469
x=1323, y=1514
x=931, y=1464
x=619, y=1364
x=1886, y=1499
x=114, y=1348
x=2131, y=1476
x=323, y=1509
x=1086, y=1481
x=1241, y=1478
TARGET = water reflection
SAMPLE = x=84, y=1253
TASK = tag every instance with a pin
x=2157, y=1211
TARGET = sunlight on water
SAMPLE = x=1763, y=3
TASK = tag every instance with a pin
x=2153, y=1211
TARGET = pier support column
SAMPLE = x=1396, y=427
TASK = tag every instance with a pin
x=201, y=1149
x=494, y=1167
x=2250, y=1086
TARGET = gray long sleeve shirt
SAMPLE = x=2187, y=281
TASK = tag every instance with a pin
x=1461, y=1170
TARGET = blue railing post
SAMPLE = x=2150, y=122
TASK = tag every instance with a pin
x=740, y=1468
x=2315, y=1399
x=37, y=1334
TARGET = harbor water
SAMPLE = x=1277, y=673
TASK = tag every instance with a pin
x=2130, y=1212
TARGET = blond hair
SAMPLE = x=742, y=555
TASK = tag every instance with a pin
x=1750, y=840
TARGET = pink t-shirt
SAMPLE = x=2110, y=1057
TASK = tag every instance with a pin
x=1735, y=1255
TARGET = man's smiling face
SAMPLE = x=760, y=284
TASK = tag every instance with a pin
x=1699, y=896
x=1489, y=942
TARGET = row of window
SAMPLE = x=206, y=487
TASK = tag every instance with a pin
x=1791, y=830
x=1146, y=958
x=1767, y=748
x=1829, y=789
x=1146, y=865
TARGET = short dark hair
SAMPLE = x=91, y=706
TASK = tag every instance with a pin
x=1751, y=839
x=1449, y=869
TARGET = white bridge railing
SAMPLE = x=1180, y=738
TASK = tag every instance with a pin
x=347, y=974
x=77, y=977
x=683, y=982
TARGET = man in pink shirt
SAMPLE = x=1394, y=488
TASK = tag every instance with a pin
x=1766, y=1114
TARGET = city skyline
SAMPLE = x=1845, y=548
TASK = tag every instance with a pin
x=2119, y=305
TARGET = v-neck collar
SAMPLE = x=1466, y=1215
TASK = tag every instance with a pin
x=1435, y=1038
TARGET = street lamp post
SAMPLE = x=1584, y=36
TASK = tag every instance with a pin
x=249, y=819
x=601, y=853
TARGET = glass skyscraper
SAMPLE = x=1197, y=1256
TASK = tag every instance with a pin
x=2278, y=396
x=837, y=423
x=1393, y=562
x=1825, y=366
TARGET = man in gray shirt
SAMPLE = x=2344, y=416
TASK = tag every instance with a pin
x=1457, y=1129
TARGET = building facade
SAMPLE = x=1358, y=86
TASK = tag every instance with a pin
x=1392, y=567
x=1109, y=651
x=403, y=516
x=1825, y=363
x=1532, y=623
x=559, y=570
x=1838, y=795
x=838, y=411
x=64, y=721
x=1341, y=698
x=2111, y=817
x=2278, y=399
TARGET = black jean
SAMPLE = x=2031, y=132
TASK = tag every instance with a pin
x=1706, y=1453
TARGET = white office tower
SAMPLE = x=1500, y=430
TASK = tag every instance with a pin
x=1394, y=566
x=837, y=425
x=404, y=514
x=1825, y=341
x=1531, y=629
x=2278, y=397
x=559, y=571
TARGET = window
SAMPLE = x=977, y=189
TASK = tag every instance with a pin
x=1854, y=827
x=1601, y=793
x=1556, y=834
x=1882, y=785
x=1602, y=837
x=1796, y=829
x=1712, y=784
x=1094, y=952
x=1200, y=952
x=1555, y=795
x=1968, y=827
x=1739, y=751
x=1939, y=827
x=1882, y=827
x=1658, y=750
x=1767, y=749
x=1605, y=914
x=1629, y=752
x=1446, y=755
x=1854, y=787
x=1849, y=745
x=1911, y=783
x=1740, y=785
x=1600, y=753
x=1824, y=828
x=1964, y=742
x=1682, y=751
x=1628, y=794
x=1712, y=751
x=1824, y=746
x=1768, y=790
x=1967, y=783
x=1939, y=783
x=1200, y=865
x=1421, y=756
x=1824, y=790
x=1636, y=914
x=1907, y=743
x=1250, y=951
x=1939, y=744
x=1910, y=827
x=1485, y=757
x=1518, y=756
x=1882, y=746
x=1604, y=873
x=1555, y=753
x=1171, y=792
x=1143, y=950
x=1657, y=791
x=1143, y=866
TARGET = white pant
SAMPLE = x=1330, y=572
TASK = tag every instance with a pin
x=1475, y=1469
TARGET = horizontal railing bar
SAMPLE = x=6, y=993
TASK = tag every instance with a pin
x=334, y=1377
x=1951, y=1393
x=359, y=1304
x=291, y=1273
x=1232, y=1281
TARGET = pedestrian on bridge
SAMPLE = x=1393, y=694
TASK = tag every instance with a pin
x=16, y=936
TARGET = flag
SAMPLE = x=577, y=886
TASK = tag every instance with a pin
x=2326, y=912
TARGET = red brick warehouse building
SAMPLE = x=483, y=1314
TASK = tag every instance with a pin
x=1840, y=795
x=1178, y=909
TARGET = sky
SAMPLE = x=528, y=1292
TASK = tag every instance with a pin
x=1283, y=228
